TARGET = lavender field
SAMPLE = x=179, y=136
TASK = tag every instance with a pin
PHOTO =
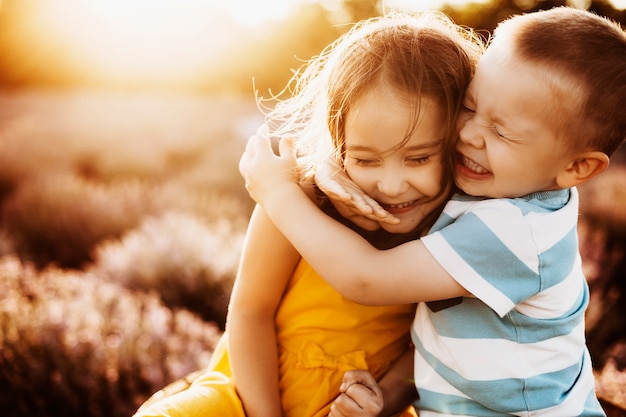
x=122, y=222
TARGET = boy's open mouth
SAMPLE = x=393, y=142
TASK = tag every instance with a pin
x=472, y=165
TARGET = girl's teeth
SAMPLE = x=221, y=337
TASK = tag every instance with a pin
x=403, y=205
x=474, y=166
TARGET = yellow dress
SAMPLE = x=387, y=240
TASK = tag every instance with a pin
x=320, y=335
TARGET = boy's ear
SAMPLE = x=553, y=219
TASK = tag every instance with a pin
x=586, y=166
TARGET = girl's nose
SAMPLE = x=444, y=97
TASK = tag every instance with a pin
x=392, y=183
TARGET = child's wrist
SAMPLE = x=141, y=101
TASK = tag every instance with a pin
x=280, y=195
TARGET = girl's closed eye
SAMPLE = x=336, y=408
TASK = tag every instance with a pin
x=418, y=160
x=366, y=162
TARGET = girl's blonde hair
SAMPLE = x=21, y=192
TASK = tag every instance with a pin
x=420, y=55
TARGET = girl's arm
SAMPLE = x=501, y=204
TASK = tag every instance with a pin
x=267, y=263
x=398, y=386
x=404, y=274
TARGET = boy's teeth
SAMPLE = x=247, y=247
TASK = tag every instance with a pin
x=474, y=166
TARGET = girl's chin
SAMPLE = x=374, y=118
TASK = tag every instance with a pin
x=408, y=221
x=402, y=227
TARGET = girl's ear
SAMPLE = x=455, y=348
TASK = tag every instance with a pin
x=586, y=166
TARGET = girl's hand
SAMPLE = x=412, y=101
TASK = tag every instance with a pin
x=360, y=396
x=264, y=171
x=349, y=200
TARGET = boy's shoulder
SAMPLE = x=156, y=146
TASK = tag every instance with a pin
x=536, y=211
x=539, y=201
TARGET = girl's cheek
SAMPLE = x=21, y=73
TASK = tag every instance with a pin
x=364, y=178
x=434, y=176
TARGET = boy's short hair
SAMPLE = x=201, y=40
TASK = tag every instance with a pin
x=590, y=51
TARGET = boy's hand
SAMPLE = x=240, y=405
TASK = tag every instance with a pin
x=360, y=396
x=349, y=200
x=264, y=171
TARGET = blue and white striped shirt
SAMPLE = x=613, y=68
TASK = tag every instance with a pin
x=518, y=347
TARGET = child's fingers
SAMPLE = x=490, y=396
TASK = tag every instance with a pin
x=256, y=145
x=368, y=205
x=333, y=189
x=329, y=177
x=360, y=396
x=360, y=377
x=259, y=152
x=357, y=400
x=286, y=149
x=363, y=203
x=344, y=406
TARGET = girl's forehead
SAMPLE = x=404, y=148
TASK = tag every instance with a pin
x=383, y=121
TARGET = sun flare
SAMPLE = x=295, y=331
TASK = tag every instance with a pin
x=146, y=40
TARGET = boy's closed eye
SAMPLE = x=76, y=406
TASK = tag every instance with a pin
x=499, y=132
x=468, y=106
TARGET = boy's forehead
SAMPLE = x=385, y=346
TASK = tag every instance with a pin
x=501, y=60
x=524, y=95
x=491, y=64
x=498, y=53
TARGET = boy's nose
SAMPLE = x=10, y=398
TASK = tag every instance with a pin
x=470, y=133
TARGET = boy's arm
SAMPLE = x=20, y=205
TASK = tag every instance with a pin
x=405, y=274
x=267, y=263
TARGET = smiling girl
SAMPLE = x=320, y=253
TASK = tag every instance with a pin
x=383, y=100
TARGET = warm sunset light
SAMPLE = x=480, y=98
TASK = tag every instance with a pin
x=619, y=4
x=138, y=38
x=213, y=45
x=145, y=38
x=412, y=5
x=129, y=41
x=251, y=12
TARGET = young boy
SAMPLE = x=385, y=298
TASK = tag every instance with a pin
x=544, y=113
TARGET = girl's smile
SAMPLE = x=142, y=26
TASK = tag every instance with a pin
x=401, y=208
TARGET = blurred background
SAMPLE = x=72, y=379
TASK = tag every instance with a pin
x=122, y=212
